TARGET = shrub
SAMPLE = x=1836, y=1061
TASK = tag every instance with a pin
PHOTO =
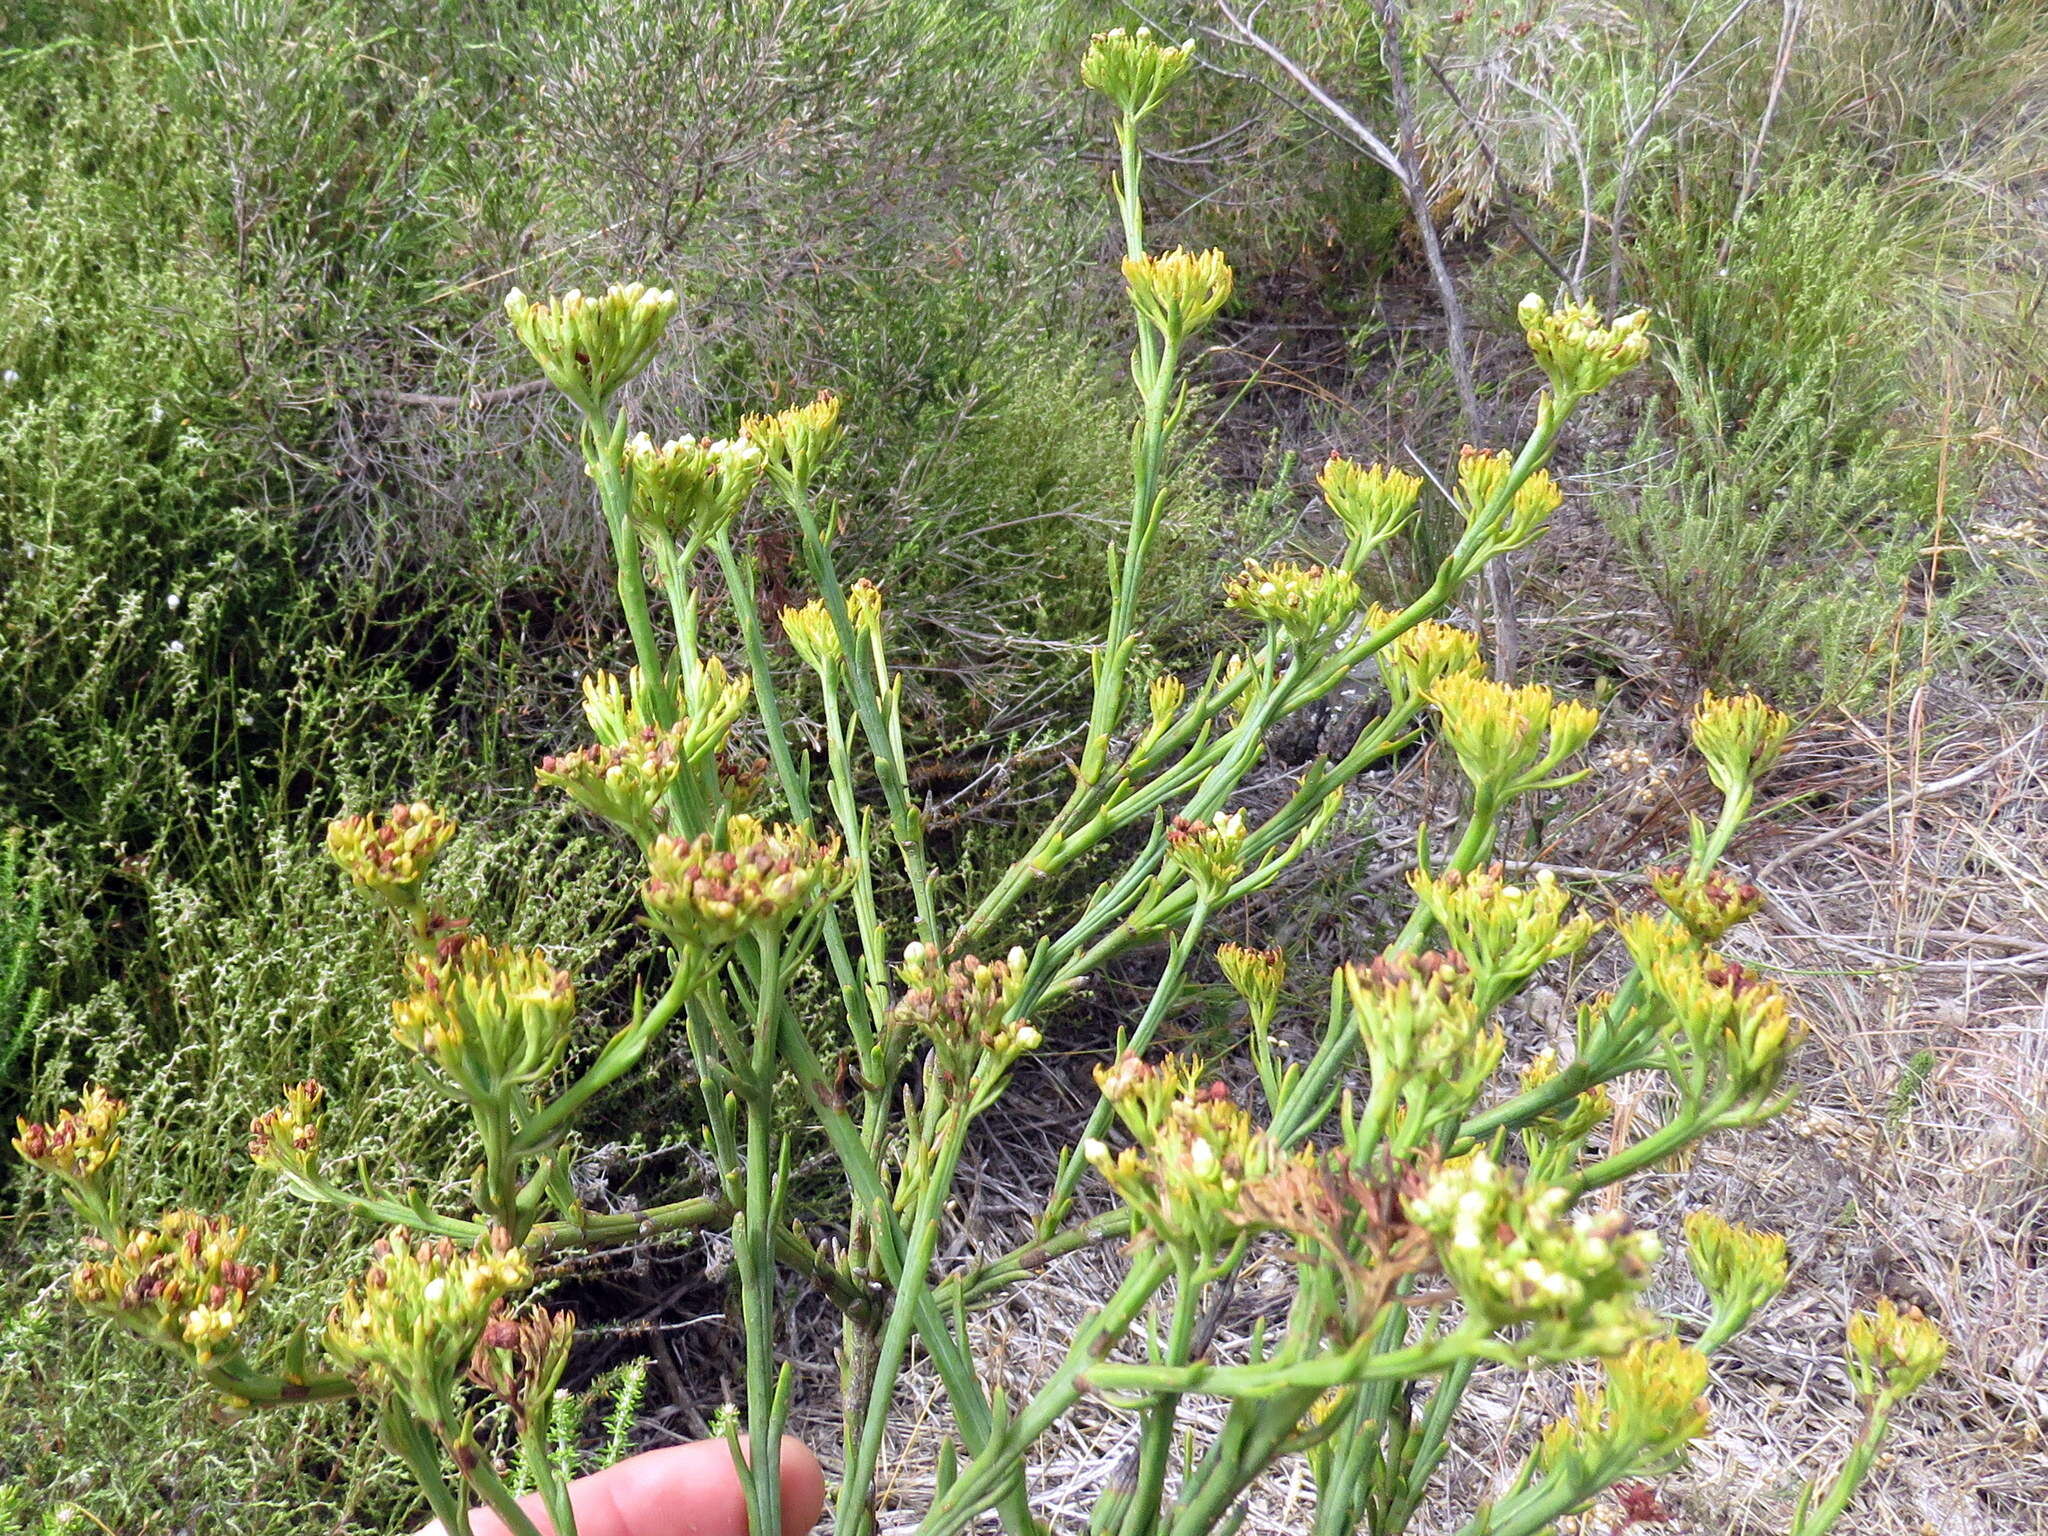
x=1432, y=1226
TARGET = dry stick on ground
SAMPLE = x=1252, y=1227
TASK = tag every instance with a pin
x=1402, y=160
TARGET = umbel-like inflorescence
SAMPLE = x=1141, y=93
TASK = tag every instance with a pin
x=1431, y=1207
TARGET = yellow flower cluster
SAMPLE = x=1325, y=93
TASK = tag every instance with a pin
x=1372, y=501
x=1178, y=293
x=410, y=1325
x=1892, y=1353
x=704, y=896
x=1579, y=351
x=966, y=1006
x=1740, y=737
x=1256, y=975
x=81, y=1143
x=590, y=344
x=1509, y=740
x=1423, y=1028
x=1211, y=854
x=1652, y=1407
x=1422, y=655
x=1519, y=1254
x=1708, y=905
x=390, y=855
x=814, y=637
x=691, y=488
x=1195, y=1153
x=1134, y=69
x=795, y=443
x=488, y=1016
x=1306, y=601
x=624, y=784
x=288, y=1137
x=1505, y=930
x=181, y=1284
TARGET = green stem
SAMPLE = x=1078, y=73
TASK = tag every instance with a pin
x=1155, y=1444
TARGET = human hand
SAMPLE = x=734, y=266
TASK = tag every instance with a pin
x=683, y=1490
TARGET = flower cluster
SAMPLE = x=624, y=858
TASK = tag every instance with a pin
x=704, y=896
x=1211, y=854
x=625, y=784
x=1519, y=1254
x=488, y=1016
x=1505, y=930
x=1256, y=975
x=1352, y=1225
x=1652, y=1407
x=1579, y=352
x=1892, y=1353
x=1134, y=69
x=1425, y=1034
x=1509, y=740
x=1179, y=292
x=815, y=637
x=181, y=1284
x=1731, y=1026
x=1484, y=476
x=966, y=1006
x=389, y=855
x=1304, y=600
x=288, y=1137
x=1740, y=737
x=1372, y=501
x=81, y=1143
x=1422, y=655
x=1196, y=1151
x=1710, y=904
x=590, y=344
x=795, y=443
x=520, y=1360
x=411, y=1324
x=691, y=488
x=1739, y=1267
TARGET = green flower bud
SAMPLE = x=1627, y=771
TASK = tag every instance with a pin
x=1196, y=1153
x=1740, y=738
x=966, y=1007
x=590, y=344
x=1134, y=69
x=1423, y=1029
x=1579, y=353
x=1739, y=1267
x=1256, y=975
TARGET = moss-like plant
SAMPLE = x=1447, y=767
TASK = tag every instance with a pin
x=1435, y=1224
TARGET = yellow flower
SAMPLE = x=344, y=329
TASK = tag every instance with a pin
x=1892, y=1353
x=705, y=896
x=1508, y=740
x=1421, y=656
x=181, y=1284
x=1212, y=854
x=1306, y=601
x=1179, y=292
x=288, y=1137
x=1372, y=501
x=488, y=1016
x=795, y=443
x=690, y=488
x=1256, y=975
x=411, y=1324
x=1507, y=930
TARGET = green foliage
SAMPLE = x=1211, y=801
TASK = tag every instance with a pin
x=23, y=1002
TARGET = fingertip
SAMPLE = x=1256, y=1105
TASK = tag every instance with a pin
x=803, y=1487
